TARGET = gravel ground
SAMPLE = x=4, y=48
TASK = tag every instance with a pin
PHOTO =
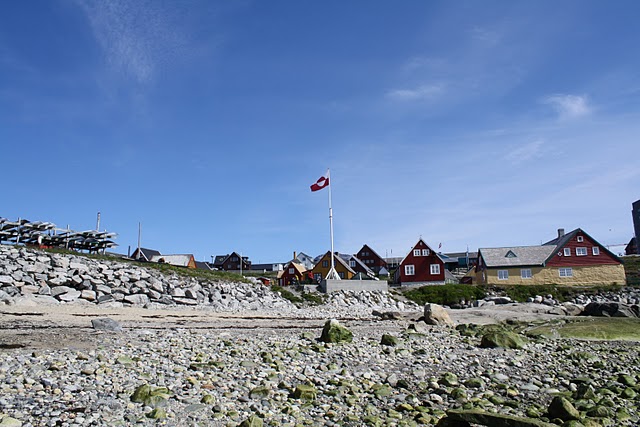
x=216, y=369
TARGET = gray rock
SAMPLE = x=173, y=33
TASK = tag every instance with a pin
x=435, y=314
x=106, y=324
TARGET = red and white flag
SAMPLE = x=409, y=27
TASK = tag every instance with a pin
x=321, y=183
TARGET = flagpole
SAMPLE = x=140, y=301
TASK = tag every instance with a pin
x=332, y=272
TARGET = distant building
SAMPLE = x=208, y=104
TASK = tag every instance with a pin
x=636, y=223
x=144, y=254
x=231, y=262
x=422, y=266
x=371, y=259
x=182, y=260
x=632, y=247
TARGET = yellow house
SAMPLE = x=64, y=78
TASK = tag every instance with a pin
x=323, y=266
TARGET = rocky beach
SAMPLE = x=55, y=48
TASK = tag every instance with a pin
x=183, y=351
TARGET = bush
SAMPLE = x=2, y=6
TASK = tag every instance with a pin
x=444, y=294
x=286, y=294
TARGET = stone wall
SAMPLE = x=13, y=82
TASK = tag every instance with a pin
x=329, y=286
x=51, y=277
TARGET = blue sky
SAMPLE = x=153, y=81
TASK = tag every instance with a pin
x=467, y=123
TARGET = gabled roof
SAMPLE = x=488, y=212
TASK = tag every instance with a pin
x=181, y=260
x=524, y=255
x=147, y=254
x=337, y=260
x=201, y=265
x=561, y=241
x=219, y=259
x=347, y=258
x=298, y=267
x=425, y=243
x=371, y=249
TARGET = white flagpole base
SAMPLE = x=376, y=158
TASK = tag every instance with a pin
x=332, y=275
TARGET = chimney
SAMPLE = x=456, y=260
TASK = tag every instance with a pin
x=560, y=232
x=294, y=254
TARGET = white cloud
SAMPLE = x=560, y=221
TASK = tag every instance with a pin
x=137, y=37
x=420, y=93
x=569, y=106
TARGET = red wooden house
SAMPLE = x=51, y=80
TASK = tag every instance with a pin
x=574, y=258
x=421, y=266
x=371, y=259
x=292, y=273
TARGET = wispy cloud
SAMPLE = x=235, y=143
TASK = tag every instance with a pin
x=525, y=153
x=420, y=93
x=136, y=36
x=569, y=106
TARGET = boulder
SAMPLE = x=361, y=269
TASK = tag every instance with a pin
x=334, y=332
x=611, y=309
x=106, y=324
x=561, y=408
x=460, y=417
x=435, y=314
x=502, y=339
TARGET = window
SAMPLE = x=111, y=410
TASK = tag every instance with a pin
x=525, y=273
x=503, y=274
x=425, y=252
x=435, y=268
x=317, y=277
x=341, y=274
x=291, y=271
x=581, y=251
x=566, y=272
x=595, y=250
x=567, y=251
x=580, y=239
x=416, y=252
x=234, y=258
x=325, y=263
x=409, y=270
x=352, y=263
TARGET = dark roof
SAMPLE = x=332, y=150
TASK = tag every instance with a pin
x=201, y=265
x=147, y=254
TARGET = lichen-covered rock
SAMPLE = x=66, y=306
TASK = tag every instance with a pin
x=334, y=332
x=389, y=340
x=502, y=339
x=150, y=396
x=305, y=392
x=461, y=417
x=561, y=408
x=252, y=421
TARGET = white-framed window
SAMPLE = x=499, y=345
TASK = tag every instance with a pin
x=317, y=277
x=503, y=274
x=580, y=239
x=352, y=263
x=291, y=271
x=341, y=274
x=567, y=251
x=325, y=263
x=416, y=252
x=435, y=268
x=425, y=252
x=525, y=273
x=409, y=270
x=595, y=250
x=566, y=272
x=581, y=251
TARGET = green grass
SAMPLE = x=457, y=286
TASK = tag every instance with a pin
x=598, y=328
x=444, y=294
x=305, y=298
